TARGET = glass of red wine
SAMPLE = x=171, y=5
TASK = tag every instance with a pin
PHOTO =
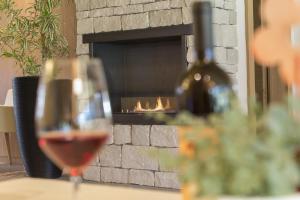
x=73, y=113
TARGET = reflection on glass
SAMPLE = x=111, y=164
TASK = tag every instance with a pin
x=73, y=114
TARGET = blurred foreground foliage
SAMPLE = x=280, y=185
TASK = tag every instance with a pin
x=238, y=153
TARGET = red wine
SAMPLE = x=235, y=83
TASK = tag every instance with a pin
x=205, y=87
x=72, y=151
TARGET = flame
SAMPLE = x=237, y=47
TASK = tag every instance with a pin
x=158, y=107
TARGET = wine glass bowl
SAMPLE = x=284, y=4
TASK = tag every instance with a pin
x=73, y=113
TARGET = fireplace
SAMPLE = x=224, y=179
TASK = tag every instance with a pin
x=135, y=39
x=142, y=68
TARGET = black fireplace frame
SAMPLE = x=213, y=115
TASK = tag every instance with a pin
x=150, y=34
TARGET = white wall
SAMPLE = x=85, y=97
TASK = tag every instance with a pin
x=242, y=80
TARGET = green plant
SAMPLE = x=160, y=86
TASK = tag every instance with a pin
x=31, y=35
x=239, y=154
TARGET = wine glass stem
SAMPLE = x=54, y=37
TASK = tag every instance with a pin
x=76, y=180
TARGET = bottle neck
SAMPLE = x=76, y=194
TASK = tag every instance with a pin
x=203, y=31
x=205, y=55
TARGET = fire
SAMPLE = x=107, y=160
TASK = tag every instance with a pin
x=158, y=107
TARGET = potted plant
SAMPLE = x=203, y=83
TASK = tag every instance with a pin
x=31, y=36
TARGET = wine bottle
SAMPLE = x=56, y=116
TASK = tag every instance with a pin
x=205, y=87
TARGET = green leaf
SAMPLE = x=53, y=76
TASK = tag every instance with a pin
x=254, y=154
x=34, y=29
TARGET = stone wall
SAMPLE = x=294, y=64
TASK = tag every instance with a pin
x=124, y=159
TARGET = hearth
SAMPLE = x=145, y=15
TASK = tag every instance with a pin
x=142, y=69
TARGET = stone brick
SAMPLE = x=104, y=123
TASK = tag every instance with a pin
x=82, y=14
x=235, y=87
x=141, y=1
x=219, y=3
x=218, y=35
x=159, y=5
x=229, y=68
x=232, y=56
x=233, y=78
x=128, y=9
x=141, y=177
x=141, y=135
x=83, y=57
x=229, y=35
x=135, y=21
x=122, y=134
x=81, y=48
x=189, y=2
x=92, y=173
x=187, y=15
x=171, y=152
x=191, y=55
x=95, y=161
x=232, y=17
x=110, y=156
x=165, y=17
x=111, y=3
x=177, y=4
x=190, y=40
x=137, y=157
x=106, y=24
x=220, y=54
x=230, y=4
x=82, y=5
x=166, y=180
x=98, y=3
x=164, y=136
x=103, y=12
x=220, y=16
x=111, y=136
x=85, y=26
x=114, y=175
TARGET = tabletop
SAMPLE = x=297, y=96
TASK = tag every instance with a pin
x=40, y=189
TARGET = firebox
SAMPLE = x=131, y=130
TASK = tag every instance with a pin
x=142, y=69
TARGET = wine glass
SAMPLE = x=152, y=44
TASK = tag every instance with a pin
x=73, y=113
